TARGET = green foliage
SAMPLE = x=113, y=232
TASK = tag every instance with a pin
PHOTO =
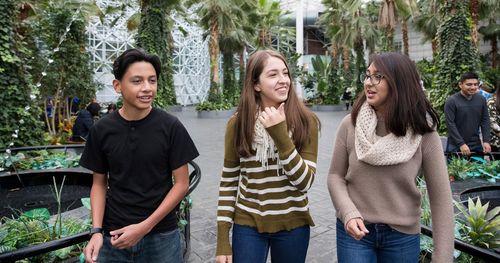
x=68, y=71
x=324, y=92
x=33, y=227
x=230, y=90
x=38, y=160
x=184, y=207
x=427, y=70
x=463, y=169
x=457, y=55
x=154, y=36
x=214, y=105
x=18, y=110
x=480, y=227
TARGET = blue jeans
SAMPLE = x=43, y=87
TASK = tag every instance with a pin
x=155, y=247
x=286, y=246
x=382, y=244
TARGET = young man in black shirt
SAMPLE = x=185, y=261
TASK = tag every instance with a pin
x=135, y=154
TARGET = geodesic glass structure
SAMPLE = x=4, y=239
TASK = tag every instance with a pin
x=109, y=38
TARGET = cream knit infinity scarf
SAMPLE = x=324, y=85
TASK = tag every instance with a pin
x=263, y=145
x=386, y=150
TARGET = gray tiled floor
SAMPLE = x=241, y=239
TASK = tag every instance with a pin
x=208, y=134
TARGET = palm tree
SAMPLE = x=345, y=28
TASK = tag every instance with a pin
x=427, y=22
x=488, y=10
x=267, y=17
x=233, y=38
x=389, y=11
x=474, y=13
x=214, y=14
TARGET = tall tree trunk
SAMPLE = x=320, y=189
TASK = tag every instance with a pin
x=474, y=12
x=346, y=57
x=214, y=55
x=390, y=39
x=434, y=45
x=404, y=30
x=335, y=55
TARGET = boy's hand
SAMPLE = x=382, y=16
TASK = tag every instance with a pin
x=91, y=251
x=128, y=236
x=272, y=116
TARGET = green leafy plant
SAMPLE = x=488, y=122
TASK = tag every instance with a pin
x=479, y=226
x=458, y=168
x=214, y=106
x=462, y=169
x=38, y=160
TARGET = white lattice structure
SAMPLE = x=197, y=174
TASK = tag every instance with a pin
x=191, y=60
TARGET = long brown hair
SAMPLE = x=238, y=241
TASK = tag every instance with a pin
x=406, y=105
x=297, y=115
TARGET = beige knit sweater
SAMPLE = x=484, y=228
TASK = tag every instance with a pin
x=388, y=194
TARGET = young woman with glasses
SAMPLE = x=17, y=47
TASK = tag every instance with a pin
x=380, y=149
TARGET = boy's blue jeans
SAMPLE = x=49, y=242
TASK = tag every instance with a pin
x=286, y=246
x=156, y=247
x=382, y=244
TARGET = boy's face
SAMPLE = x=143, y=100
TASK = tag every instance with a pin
x=469, y=87
x=138, y=86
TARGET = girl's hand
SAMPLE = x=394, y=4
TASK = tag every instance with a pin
x=356, y=228
x=272, y=116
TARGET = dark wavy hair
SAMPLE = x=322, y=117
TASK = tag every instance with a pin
x=407, y=107
x=297, y=114
x=129, y=57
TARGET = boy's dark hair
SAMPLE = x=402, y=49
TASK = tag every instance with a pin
x=468, y=75
x=131, y=56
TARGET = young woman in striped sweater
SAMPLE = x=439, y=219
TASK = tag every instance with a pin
x=270, y=154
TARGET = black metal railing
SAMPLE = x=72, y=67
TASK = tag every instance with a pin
x=26, y=252
x=477, y=252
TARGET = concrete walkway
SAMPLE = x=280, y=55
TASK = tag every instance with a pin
x=208, y=135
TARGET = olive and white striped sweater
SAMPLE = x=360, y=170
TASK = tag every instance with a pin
x=272, y=199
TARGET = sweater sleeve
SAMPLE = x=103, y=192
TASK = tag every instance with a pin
x=337, y=184
x=485, y=123
x=299, y=166
x=449, y=112
x=228, y=189
x=440, y=197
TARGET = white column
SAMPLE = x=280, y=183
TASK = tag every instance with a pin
x=299, y=39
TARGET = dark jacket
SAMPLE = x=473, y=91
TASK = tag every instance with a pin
x=83, y=122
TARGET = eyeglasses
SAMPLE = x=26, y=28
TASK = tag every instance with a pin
x=374, y=78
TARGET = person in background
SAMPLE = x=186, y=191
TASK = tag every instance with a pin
x=270, y=152
x=84, y=121
x=466, y=118
x=136, y=154
x=484, y=90
x=494, y=114
x=389, y=138
x=111, y=108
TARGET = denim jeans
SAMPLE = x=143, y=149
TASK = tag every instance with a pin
x=382, y=244
x=153, y=248
x=286, y=246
